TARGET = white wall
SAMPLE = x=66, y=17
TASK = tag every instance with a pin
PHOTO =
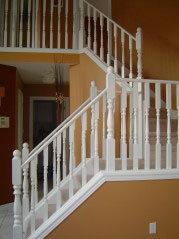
x=103, y=5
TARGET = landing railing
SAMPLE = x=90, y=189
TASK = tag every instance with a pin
x=70, y=24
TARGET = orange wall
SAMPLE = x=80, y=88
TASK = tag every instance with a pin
x=124, y=210
x=36, y=90
x=159, y=21
x=8, y=136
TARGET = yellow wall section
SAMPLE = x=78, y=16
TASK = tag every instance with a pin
x=123, y=210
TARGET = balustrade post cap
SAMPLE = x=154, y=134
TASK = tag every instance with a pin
x=16, y=153
x=139, y=29
x=110, y=69
x=92, y=83
x=25, y=145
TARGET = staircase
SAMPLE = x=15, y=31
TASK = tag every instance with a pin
x=148, y=140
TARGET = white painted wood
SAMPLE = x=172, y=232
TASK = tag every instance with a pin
x=36, y=24
x=123, y=131
x=102, y=47
x=89, y=26
x=59, y=26
x=54, y=162
x=135, y=110
x=115, y=49
x=83, y=154
x=71, y=142
x=104, y=128
x=44, y=25
x=95, y=33
x=130, y=53
x=2, y=22
x=32, y=213
x=123, y=53
x=45, y=155
x=147, y=145
x=110, y=141
x=33, y=24
x=158, y=144
x=64, y=153
x=6, y=23
x=139, y=52
x=21, y=23
x=66, y=24
x=59, y=151
x=17, y=185
x=96, y=155
x=13, y=24
x=81, y=32
x=177, y=95
x=36, y=179
x=131, y=126
x=75, y=24
x=109, y=42
x=93, y=94
x=25, y=199
x=29, y=24
x=51, y=23
x=169, y=145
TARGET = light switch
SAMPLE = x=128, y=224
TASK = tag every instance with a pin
x=4, y=122
x=152, y=228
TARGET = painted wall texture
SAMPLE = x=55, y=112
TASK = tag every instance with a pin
x=124, y=210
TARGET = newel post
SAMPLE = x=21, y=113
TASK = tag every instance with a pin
x=110, y=141
x=17, y=186
x=139, y=52
x=81, y=31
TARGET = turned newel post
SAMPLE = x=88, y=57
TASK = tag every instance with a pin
x=25, y=200
x=110, y=142
x=17, y=185
x=139, y=52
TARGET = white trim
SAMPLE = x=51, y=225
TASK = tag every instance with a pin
x=20, y=119
x=95, y=183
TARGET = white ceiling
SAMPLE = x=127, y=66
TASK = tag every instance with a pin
x=38, y=73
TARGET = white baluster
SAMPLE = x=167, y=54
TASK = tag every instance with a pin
x=102, y=47
x=104, y=128
x=59, y=151
x=66, y=24
x=169, y=145
x=36, y=23
x=83, y=147
x=75, y=24
x=51, y=23
x=59, y=22
x=13, y=23
x=110, y=141
x=177, y=95
x=96, y=155
x=131, y=126
x=147, y=145
x=115, y=49
x=95, y=36
x=109, y=42
x=32, y=176
x=36, y=179
x=45, y=155
x=123, y=119
x=158, y=144
x=81, y=32
x=89, y=27
x=123, y=54
x=71, y=186
x=139, y=52
x=17, y=185
x=64, y=153
x=54, y=163
x=130, y=52
x=135, y=145
x=21, y=23
x=28, y=24
x=33, y=24
x=25, y=200
x=93, y=92
x=43, y=27
x=6, y=22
